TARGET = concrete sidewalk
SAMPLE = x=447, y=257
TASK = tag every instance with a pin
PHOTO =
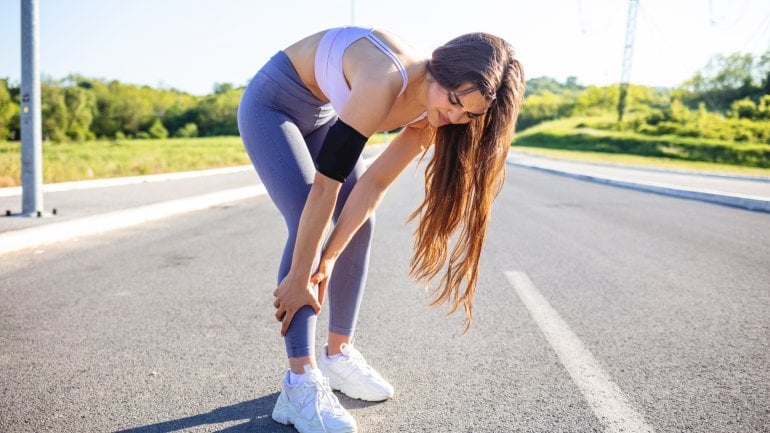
x=93, y=207
x=747, y=192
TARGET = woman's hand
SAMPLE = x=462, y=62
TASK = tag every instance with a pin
x=291, y=295
x=323, y=275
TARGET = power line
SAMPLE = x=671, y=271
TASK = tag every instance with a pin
x=762, y=28
x=663, y=42
x=720, y=21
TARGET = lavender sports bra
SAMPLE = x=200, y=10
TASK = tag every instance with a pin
x=328, y=63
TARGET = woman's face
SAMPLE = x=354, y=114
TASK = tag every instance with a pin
x=453, y=106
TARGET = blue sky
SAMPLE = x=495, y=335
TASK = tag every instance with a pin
x=192, y=44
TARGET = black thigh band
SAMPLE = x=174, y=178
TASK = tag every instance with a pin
x=340, y=151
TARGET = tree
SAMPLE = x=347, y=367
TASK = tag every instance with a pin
x=544, y=106
x=221, y=88
x=597, y=99
x=177, y=108
x=726, y=79
x=81, y=105
x=55, y=116
x=9, y=109
x=217, y=114
x=762, y=72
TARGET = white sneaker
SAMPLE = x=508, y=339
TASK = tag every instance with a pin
x=351, y=374
x=312, y=407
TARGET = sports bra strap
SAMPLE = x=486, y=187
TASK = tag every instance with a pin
x=384, y=48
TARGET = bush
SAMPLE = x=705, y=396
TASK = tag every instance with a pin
x=667, y=128
x=744, y=109
x=187, y=131
x=654, y=117
x=763, y=108
x=157, y=130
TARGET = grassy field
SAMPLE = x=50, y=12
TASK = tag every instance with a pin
x=576, y=134
x=115, y=158
x=102, y=159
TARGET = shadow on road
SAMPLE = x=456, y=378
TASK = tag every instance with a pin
x=255, y=415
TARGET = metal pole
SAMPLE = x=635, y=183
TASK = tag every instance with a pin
x=31, y=122
x=628, y=51
x=352, y=12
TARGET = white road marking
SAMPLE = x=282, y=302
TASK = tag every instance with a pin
x=61, y=231
x=12, y=191
x=611, y=406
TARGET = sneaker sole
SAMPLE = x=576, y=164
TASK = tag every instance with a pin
x=353, y=393
x=284, y=413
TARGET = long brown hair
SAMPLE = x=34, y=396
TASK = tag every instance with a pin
x=467, y=170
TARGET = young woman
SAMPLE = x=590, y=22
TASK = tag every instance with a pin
x=304, y=119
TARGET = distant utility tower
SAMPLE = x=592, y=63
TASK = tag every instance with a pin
x=627, y=54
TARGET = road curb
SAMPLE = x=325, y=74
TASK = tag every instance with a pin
x=35, y=237
x=743, y=201
x=47, y=234
x=753, y=178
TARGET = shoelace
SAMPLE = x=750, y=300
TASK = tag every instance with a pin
x=358, y=360
x=322, y=392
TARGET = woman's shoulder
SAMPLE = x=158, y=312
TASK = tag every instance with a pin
x=400, y=47
x=385, y=58
x=304, y=49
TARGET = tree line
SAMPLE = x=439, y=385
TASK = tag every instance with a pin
x=78, y=108
x=728, y=99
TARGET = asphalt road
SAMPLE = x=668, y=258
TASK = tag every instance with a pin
x=169, y=327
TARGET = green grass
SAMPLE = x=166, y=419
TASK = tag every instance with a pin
x=115, y=158
x=103, y=159
x=562, y=138
x=573, y=134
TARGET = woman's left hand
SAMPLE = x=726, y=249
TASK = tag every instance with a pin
x=322, y=276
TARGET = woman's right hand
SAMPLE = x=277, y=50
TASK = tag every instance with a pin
x=323, y=275
x=291, y=295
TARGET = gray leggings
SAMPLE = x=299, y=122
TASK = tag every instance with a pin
x=283, y=125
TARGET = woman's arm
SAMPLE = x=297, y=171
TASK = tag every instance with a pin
x=371, y=98
x=294, y=291
x=312, y=224
x=368, y=193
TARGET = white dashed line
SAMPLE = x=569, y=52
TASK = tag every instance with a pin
x=610, y=405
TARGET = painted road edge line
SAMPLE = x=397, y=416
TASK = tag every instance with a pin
x=611, y=406
x=34, y=237
x=128, y=180
x=744, y=201
x=516, y=154
x=57, y=232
